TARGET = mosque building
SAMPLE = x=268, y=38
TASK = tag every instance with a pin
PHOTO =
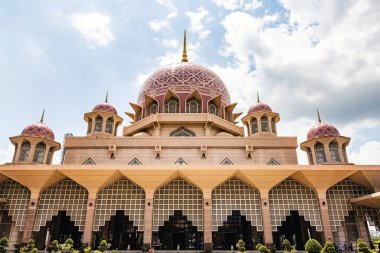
x=185, y=175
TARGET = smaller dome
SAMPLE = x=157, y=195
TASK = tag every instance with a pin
x=259, y=107
x=104, y=107
x=322, y=130
x=39, y=130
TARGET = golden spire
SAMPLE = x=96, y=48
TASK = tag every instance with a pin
x=319, y=116
x=258, y=98
x=106, y=97
x=42, y=116
x=184, y=54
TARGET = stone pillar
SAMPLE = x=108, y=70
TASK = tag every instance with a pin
x=325, y=218
x=16, y=155
x=148, y=219
x=90, y=215
x=46, y=154
x=14, y=236
x=327, y=152
x=30, y=218
x=31, y=152
x=207, y=221
x=265, y=212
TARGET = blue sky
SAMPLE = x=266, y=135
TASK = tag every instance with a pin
x=65, y=55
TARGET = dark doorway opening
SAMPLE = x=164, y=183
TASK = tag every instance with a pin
x=296, y=230
x=178, y=233
x=236, y=227
x=60, y=228
x=120, y=233
x=5, y=223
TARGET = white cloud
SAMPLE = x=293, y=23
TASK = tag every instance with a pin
x=94, y=27
x=196, y=19
x=369, y=153
x=170, y=43
x=172, y=8
x=158, y=24
x=232, y=5
x=6, y=155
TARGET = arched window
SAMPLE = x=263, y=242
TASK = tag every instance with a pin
x=273, y=122
x=193, y=106
x=320, y=153
x=24, y=152
x=182, y=132
x=109, y=125
x=212, y=109
x=50, y=156
x=98, y=124
x=264, y=124
x=172, y=106
x=39, y=154
x=254, y=127
x=310, y=156
x=89, y=129
x=153, y=109
x=334, y=151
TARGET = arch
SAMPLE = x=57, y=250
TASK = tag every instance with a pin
x=254, y=126
x=182, y=132
x=178, y=194
x=334, y=151
x=338, y=201
x=194, y=102
x=39, y=153
x=98, y=124
x=65, y=195
x=109, y=125
x=214, y=105
x=273, y=124
x=171, y=102
x=264, y=124
x=226, y=161
x=124, y=195
x=89, y=127
x=89, y=161
x=24, y=152
x=153, y=109
x=320, y=155
x=180, y=161
x=151, y=105
x=272, y=161
x=290, y=195
x=18, y=198
x=135, y=161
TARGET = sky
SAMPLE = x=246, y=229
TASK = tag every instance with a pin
x=65, y=56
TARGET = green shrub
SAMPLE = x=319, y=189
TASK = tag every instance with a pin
x=286, y=245
x=69, y=241
x=240, y=245
x=104, y=246
x=263, y=249
x=258, y=246
x=313, y=246
x=87, y=250
x=4, y=242
x=54, y=246
x=329, y=247
x=30, y=247
x=361, y=246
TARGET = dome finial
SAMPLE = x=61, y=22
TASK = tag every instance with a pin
x=42, y=116
x=184, y=54
x=106, y=97
x=258, y=98
x=319, y=116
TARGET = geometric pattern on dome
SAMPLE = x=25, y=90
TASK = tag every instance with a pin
x=259, y=107
x=322, y=130
x=104, y=107
x=184, y=78
x=39, y=130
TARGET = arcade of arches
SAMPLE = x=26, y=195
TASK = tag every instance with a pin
x=180, y=216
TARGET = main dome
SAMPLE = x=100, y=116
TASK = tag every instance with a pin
x=183, y=78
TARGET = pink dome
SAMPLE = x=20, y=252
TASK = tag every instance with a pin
x=259, y=107
x=39, y=130
x=104, y=107
x=182, y=78
x=322, y=130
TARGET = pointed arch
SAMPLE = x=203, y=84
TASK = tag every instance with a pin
x=194, y=102
x=98, y=123
x=334, y=151
x=135, y=161
x=109, y=125
x=272, y=161
x=39, y=153
x=89, y=161
x=24, y=152
x=214, y=105
x=171, y=102
x=264, y=123
x=320, y=154
x=180, y=161
x=182, y=132
x=152, y=105
x=226, y=161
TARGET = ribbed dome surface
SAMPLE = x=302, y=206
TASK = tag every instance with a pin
x=259, y=107
x=322, y=130
x=39, y=130
x=104, y=107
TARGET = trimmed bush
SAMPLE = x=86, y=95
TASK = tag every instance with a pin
x=258, y=246
x=30, y=247
x=329, y=247
x=104, y=246
x=240, y=245
x=286, y=245
x=313, y=246
x=361, y=246
x=263, y=249
x=4, y=242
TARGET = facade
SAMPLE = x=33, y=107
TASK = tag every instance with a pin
x=183, y=175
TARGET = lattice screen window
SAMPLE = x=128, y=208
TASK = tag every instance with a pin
x=178, y=195
x=338, y=200
x=124, y=195
x=236, y=195
x=290, y=195
x=18, y=197
x=65, y=195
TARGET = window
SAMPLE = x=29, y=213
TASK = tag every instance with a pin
x=89, y=129
x=212, y=109
x=39, y=154
x=24, y=153
x=320, y=153
x=193, y=106
x=334, y=151
x=264, y=124
x=273, y=122
x=98, y=124
x=172, y=106
x=153, y=109
x=50, y=156
x=182, y=132
x=109, y=125
x=254, y=127
x=310, y=156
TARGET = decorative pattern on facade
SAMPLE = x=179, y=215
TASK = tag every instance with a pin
x=135, y=161
x=89, y=161
x=226, y=161
x=18, y=197
x=259, y=107
x=322, y=130
x=104, y=107
x=178, y=195
x=272, y=161
x=290, y=195
x=39, y=130
x=338, y=200
x=124, y=195
x=184, y=78
x=65, y=195
x=180, y=161
x=236, y=195
x=182, y=132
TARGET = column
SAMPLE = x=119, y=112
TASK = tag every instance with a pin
x=207, y=220
x=46, y=154
x=17, y=152
x=327, y=152
x=265, y=212
x=14, y=236
x=30, y=217
x=148, y=219
x=324, y=212
x=32, y=151
x=90, y=215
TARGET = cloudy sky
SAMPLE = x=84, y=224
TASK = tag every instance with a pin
x=300, y=55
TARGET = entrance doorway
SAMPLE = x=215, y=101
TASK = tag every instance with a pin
x=236, y=227
x=120, y=233
x=179, y=233
x=296, y=230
